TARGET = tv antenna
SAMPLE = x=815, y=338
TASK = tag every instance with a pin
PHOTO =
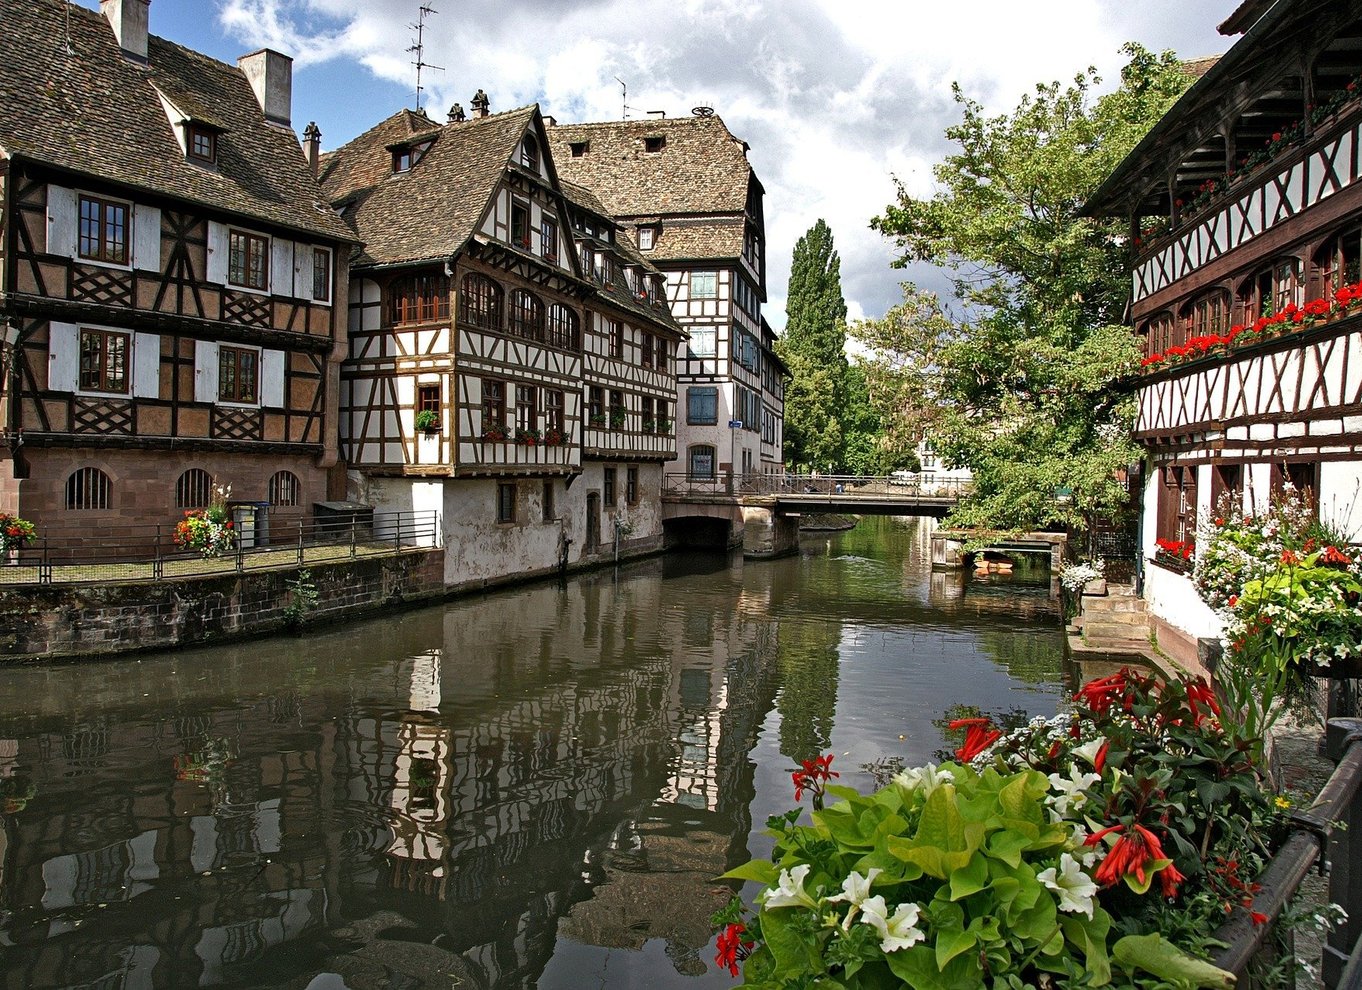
x=419, y=47
x=624, y=98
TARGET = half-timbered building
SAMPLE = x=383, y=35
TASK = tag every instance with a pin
x=167, y=276
x=686, y=194
x=478, y=290
x=1245, y=215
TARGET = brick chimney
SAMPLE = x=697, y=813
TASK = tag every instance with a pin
x=481, y=104
x=271, y=77
x=312, y=145
x=128, y=18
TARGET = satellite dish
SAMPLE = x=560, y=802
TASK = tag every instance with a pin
x=702, y=111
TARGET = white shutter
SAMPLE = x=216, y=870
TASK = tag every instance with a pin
x=146, y=366
x=272, y=379
x=281, y=267
x=146, y=232
x=61, y=221
x=217, y=255
x=302, y=270
x=205, y=371
x=63, y=357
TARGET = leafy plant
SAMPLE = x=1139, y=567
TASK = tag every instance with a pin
x=1078, y=573
x=15, y=532
x=303, y=599
x=427, y=420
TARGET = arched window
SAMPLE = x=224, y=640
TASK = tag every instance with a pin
x=564, y=329
x=480, y=302
x=193, y=489
x=1161, y=333
x=527, y=315
x=1340, y=260
x=701, y=461
x=1271, y=289
x=418, y=299
x=88, y=488
x=529, y=153
x=284, y=488
x=1207, y=314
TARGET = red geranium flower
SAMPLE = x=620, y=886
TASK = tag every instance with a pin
x=733, y=947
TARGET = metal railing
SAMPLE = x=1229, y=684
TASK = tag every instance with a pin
x=904, y=486
x=1330, y=830
x=149, y=553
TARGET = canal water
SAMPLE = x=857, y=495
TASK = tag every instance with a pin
x=533, y=788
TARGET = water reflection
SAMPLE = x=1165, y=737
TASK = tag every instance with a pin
x=530, y=788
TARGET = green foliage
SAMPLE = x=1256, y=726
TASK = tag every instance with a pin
x=303, y=599
x=1018, y=387
x=427, y=419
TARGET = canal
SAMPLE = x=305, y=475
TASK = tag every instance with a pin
x=529, y=788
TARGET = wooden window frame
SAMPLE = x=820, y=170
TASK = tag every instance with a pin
x=596, y=405
x=248, y=260
x=193, y=134
x=520, y=224
x=608, y=487
x=615, y=335
x=555, y=409
x=619, y=409
x=493, y=404
x=631, y=487
x=697, y=279
x=321, y=274
x=663, y=356
x=480, y=302
x=645, y=351
x=417, y=299
x=526, y=407
x=529, y=153
x=563, y=328
x=548, y=239
x=506, y=500
x=526, y=316
x=647, y=238
x=694, y=392
x=1177, y=503
x=428, y=397
x=110, y=341
x=230, y=375
x=111, y=240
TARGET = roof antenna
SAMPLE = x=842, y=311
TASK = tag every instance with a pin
x=419, y=47
x=624, y=98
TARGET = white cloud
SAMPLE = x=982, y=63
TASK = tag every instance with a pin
x=835, y=98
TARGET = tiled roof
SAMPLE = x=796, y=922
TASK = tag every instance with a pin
x=89, y=109
x=697, y=240
x=433, y=209
x=701, y=167
x=1198, y=67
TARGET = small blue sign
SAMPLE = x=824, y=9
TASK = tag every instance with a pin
x=735, y=424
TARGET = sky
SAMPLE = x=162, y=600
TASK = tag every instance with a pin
x=839, y=99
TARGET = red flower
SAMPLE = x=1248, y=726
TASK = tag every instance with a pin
x=1276, y=136
x=1131, y=854
x=813, y=775
x=979, y=736
x=1099, y=693
x=733, y=947
x=1332, y=555
x=1100, y=760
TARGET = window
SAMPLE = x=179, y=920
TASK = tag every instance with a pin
x=654, y=143
x=193, y=489
x=87, y=489
x=321, y=274
x=664, y=422
x=663, y=354
x=1340, y=260
x=646, y=351
x=617, y=409
x=631, y=485
x=284, y=489
x=520, y=225
x=529, y=153
x=404, y=158
x=1303, y=476
x=615, y=332
x=702, y=406
x=527, y=407
x=548, y=240
x=1207, y=314
x=104, y=361
x=1161, y=333
x=493, y=404
x=428, y=398
x=237, y=374
x=418, y=299
x=563, y=328
x=248, y=260
x=579, y=148
x=702, y=343
x=201, y=144
x=647, y=236
x=506, y=502
x=608, y=487
x=527, y=315
x=553, y=413
x=1227, y=478
x=648, y=422
x=701, y=461
x=548, y=501
x=103, y=230
x=704, y=285
x=481, y=302
x=1177, y=504
x=596, y=405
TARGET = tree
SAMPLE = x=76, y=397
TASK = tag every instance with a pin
x=1016, y=382
x=814, y=348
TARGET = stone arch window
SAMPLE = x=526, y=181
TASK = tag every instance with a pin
x=481, y=302
x=418, y=299
x=193, y=489
x=700, y=462
x=284, y=489
x=564, y=329
x=527, y=315
x=1272, y=288
x=88, y=489
x=1207, y=314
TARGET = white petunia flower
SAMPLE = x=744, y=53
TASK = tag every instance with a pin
x=1070, y=790
x=897, y=932
x=927, y=777
x=1075, y=888
x=790, y=890
x=855, y=889
x=1090, y=749
x=1086, y=855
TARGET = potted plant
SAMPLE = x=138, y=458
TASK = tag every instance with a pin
x=527, y=436
x=617, y=418
x=428, y=421
x=208, y=531
x=596, y=419
x=494, y=434
x=664, y=425
x=649, y=424
x=14, y=533
x=555, y=437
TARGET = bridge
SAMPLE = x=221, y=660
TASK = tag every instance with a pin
x=761, y=511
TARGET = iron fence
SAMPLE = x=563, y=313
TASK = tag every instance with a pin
x=1329, y=833
x=150, y=553
x=753, y=484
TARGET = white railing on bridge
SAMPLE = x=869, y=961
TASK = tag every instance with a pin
x=851, y=487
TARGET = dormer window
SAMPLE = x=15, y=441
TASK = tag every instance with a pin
x=647, y=237
x=200, y=143
x=579, y=148
x=405, y=156
x=529, y=153
x=654, y=144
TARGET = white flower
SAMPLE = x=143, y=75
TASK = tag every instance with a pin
x=1089, y=750
x=1075, y=888
x=790, y=891
x=1087, y=855
x=928, y=777
x=898, y=932
x=855, y=889
x=1070, y=790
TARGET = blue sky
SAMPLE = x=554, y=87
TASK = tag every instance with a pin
x=836, y=99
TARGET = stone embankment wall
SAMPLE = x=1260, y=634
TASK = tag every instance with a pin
x=86, y=620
